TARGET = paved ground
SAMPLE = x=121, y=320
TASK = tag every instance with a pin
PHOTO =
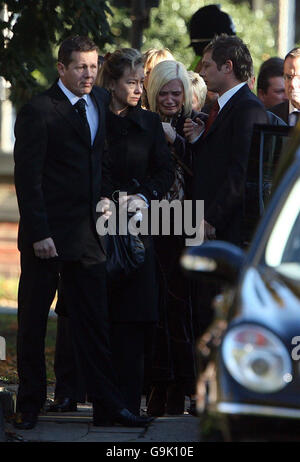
x=77, y=427
x=80, y=429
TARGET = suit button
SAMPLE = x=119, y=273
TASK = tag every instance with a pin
x=124, y=132
x=155, y=193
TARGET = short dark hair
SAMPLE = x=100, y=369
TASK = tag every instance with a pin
x=272, y=67
x=227, y=47
x=74, y=43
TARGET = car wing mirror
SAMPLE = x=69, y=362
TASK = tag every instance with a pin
x=214, y=260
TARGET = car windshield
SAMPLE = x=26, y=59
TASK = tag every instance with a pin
x=283, y=248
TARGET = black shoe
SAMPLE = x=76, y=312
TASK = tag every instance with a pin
x=126, y=418
x=62, y=405
x=25, y=420
x=192, y=410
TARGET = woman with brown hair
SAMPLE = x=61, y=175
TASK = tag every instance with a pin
x=139, y=163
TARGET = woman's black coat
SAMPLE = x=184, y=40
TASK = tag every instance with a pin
x=138, y=160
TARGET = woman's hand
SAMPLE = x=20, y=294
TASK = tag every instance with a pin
x=193, y=129
x=170, y=132
x=105, y=207
x=133, y=202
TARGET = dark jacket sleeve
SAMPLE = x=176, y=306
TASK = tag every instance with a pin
x=162, y=176
x=29, y=156
x=181, y=145
x=229, y=195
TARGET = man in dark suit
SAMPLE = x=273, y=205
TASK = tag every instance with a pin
x=288, y=111
x=270, y=82
x=220, y=154
x=58, y=150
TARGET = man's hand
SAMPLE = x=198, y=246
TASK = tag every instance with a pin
x=193, y=129
x=170, y=132
x=105, y=208
x=45, y=248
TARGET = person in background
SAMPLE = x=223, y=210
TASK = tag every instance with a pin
x=170, y=95
x=199, y=91
x=152, y=57
x=289, y=109
x=270, y=82
x=204, y=25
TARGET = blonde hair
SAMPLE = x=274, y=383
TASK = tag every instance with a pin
x=163, y=73
x=153, y=56
x=199, y=87
x=115, y=64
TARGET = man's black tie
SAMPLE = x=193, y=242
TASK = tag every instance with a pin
x=80, y=107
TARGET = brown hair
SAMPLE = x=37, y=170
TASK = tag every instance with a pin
x=74, y=43
x=115, y=64
x=227, y=47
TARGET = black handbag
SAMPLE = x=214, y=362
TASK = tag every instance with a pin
x=125, y=254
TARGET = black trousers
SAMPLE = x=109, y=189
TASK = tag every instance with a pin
x=132, y=348
x=69, y=381
x=84, y=288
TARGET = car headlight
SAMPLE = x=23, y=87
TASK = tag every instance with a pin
x=256, y=358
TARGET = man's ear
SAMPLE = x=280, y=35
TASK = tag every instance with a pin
x=61, y=69
x=228, y=66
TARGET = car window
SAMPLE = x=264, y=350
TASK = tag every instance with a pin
x=283, y=247
x=267, y=145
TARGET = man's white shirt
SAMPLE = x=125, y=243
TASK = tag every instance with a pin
x=91, y=110
x=222, y=100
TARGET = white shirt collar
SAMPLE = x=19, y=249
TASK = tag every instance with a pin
x=71, y=97
x=292, y=108
x=222, y=100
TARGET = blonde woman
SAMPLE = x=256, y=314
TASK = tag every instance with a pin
x=199, y=89
x=152, y=57
x=170, y=95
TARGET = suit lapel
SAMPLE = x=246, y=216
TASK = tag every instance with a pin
x=286, y=110
x=100, y=106
x=226, y=109
x=65, y=108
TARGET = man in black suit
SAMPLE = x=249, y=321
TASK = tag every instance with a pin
x=288, y=111
x=220, y=154
x=58, y=150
